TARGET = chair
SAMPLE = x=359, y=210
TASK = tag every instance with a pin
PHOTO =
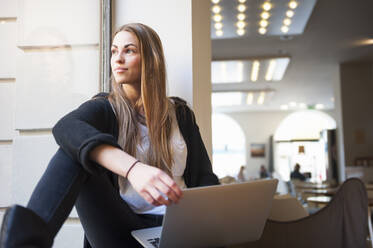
x=342, y=223
x=286, y=208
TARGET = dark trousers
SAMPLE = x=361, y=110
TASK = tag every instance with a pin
x=107, y=220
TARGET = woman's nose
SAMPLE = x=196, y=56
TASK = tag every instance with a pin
x=119, y=58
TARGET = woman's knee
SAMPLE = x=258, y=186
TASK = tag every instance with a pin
x=65, y=166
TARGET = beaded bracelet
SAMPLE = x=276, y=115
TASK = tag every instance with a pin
x=131, y=168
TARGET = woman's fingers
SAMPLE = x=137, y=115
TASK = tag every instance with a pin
x=167, y=191
x=154, y=185
x=149, y=198
x=157, y=197
x=171, y=184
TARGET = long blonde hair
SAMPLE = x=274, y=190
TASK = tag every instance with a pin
x=153, y=101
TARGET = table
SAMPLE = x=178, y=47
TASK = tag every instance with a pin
x=313, y=186
x=319, y=201
x=318, y=192
x=306, y=189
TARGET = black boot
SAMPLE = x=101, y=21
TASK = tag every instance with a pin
x=23, y=228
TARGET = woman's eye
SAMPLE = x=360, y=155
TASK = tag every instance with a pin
x=113, y=51
x=129, y=51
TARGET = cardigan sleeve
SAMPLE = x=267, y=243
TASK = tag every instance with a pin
x=85, y=128
x=206, y=176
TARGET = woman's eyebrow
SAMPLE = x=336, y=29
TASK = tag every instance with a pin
x=130, y=44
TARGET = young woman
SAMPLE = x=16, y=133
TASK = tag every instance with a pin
x=123, y=156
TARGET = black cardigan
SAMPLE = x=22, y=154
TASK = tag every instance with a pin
x=94, y=123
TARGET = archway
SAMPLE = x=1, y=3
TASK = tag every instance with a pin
x=299, y=139
x=228, y=144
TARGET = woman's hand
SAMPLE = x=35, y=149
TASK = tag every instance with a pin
x=151, y=182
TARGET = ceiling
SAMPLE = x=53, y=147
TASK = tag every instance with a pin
x=330, y=37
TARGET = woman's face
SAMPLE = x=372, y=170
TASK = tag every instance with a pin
x=125, y=58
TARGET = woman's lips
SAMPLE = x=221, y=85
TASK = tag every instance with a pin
x=119, y=70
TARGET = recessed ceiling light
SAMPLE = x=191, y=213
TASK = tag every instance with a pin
x=241, y=7
x=229, y=71
x=262, y=30
x=241, y=16
x=240, y=24
x=287, y=21
x=258, y=69
x=240, y=31
x=255, y=71
x=293, y=4
x=267, y=6
x=284, y=29
x=250, y=98
x=241, y=1
x=281, y=65
x=2, y=22
x=265, y=15
x=218, y=25
x=261, y=98
x=290, y=13
x=263, y=23
x=216, y=9
x=219, y=32
x=215, y=1
x=270, y=70
x=217, y=18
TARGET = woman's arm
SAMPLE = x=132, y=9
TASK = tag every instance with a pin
x=86, y=135
x=147, y=180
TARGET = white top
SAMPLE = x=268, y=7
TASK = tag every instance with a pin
x=179, y=153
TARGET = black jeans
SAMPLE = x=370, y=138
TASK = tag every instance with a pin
x=106, y=218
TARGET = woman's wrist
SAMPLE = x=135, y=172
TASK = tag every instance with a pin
x=131, y=167
x=114, y=159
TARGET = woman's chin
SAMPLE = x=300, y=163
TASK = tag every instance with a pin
x=121, y=81
x=124, y=81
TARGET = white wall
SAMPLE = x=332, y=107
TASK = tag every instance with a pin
x=258, y=127
x=49, y=65
x=8, y=9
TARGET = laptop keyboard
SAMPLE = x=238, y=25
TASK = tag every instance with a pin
x=154, y=242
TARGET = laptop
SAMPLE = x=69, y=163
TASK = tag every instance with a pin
x=213, y=216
